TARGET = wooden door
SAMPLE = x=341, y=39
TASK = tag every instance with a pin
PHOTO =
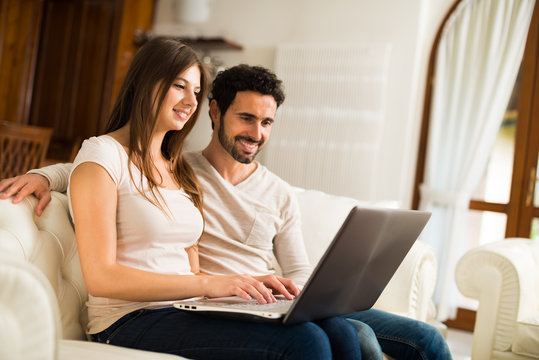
x=73, y=83
x=20, y=24
x=62, y=63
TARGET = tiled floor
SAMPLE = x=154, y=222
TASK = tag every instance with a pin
x=460, y=344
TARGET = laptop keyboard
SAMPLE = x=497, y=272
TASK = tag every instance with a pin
x=254, y=305
x=281, y=305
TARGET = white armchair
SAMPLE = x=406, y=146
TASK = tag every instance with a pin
x=48, y=308
x=504, y=277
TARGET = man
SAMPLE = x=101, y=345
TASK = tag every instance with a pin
x=251, y=214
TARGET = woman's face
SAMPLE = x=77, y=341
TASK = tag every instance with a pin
x=180, y=102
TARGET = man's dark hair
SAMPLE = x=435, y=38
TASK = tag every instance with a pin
x=244, y=78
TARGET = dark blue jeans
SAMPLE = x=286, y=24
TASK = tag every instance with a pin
x=197, y=336
x=398, y=337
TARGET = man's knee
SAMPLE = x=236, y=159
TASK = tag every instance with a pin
x=308, y=341
x=370, y=347
x=434, y=345
x=364, y=331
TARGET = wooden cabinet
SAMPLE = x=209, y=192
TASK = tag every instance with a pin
x=84, y=50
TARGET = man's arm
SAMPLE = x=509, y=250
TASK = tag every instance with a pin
x=37, y=182
x=289, y=247
x=57, y=175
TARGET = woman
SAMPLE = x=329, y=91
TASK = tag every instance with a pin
x=137, y=209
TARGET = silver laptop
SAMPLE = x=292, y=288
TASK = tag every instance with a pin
x=350, y=276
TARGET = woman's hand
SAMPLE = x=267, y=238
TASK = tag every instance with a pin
x=280, y=285
x=244, y=286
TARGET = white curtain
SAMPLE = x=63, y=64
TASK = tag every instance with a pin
x=477, y=63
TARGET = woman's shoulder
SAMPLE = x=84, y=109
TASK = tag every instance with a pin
x=102, y=146
x=105, y=151
x=102, y=141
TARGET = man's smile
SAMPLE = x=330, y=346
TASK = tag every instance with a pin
x=248, y=144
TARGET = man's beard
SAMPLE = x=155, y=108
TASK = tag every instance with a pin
x=228, y=145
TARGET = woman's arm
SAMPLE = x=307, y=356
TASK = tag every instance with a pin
x=192, y=254
x=94, y=200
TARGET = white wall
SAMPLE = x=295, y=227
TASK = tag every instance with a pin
x=260, y=25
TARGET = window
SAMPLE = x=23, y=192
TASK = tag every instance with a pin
x=506, y=203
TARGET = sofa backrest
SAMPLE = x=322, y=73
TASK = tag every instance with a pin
x=48, y=242
x=322, y=215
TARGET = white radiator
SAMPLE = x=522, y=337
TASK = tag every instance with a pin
x=327, y=133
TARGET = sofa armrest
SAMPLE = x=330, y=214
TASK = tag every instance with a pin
x=502, y=275
x=409, y=292
x=30, y=317
x=31, y=326
x=48, y=242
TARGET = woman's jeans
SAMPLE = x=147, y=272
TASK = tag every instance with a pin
x=397, y=336
x=196, y=336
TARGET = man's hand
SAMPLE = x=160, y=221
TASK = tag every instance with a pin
x=24, y=185
x=279, y=285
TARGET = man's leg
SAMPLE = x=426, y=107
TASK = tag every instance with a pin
x=370, y=347
x=343, y=338
x=404, y=338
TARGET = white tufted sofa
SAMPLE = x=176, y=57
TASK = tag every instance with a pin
x=504, y=277
x=42, y=311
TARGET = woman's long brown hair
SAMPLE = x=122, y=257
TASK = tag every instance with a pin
x=156, y=66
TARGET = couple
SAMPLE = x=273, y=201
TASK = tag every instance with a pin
x=154, y=224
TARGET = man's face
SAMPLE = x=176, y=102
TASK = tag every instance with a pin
x=246, y=125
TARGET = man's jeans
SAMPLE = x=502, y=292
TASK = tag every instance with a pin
x=397, y=336
x=197, y=336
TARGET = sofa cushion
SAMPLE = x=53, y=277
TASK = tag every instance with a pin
x=322, y=215
x=526, y=337
x=86, y=350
